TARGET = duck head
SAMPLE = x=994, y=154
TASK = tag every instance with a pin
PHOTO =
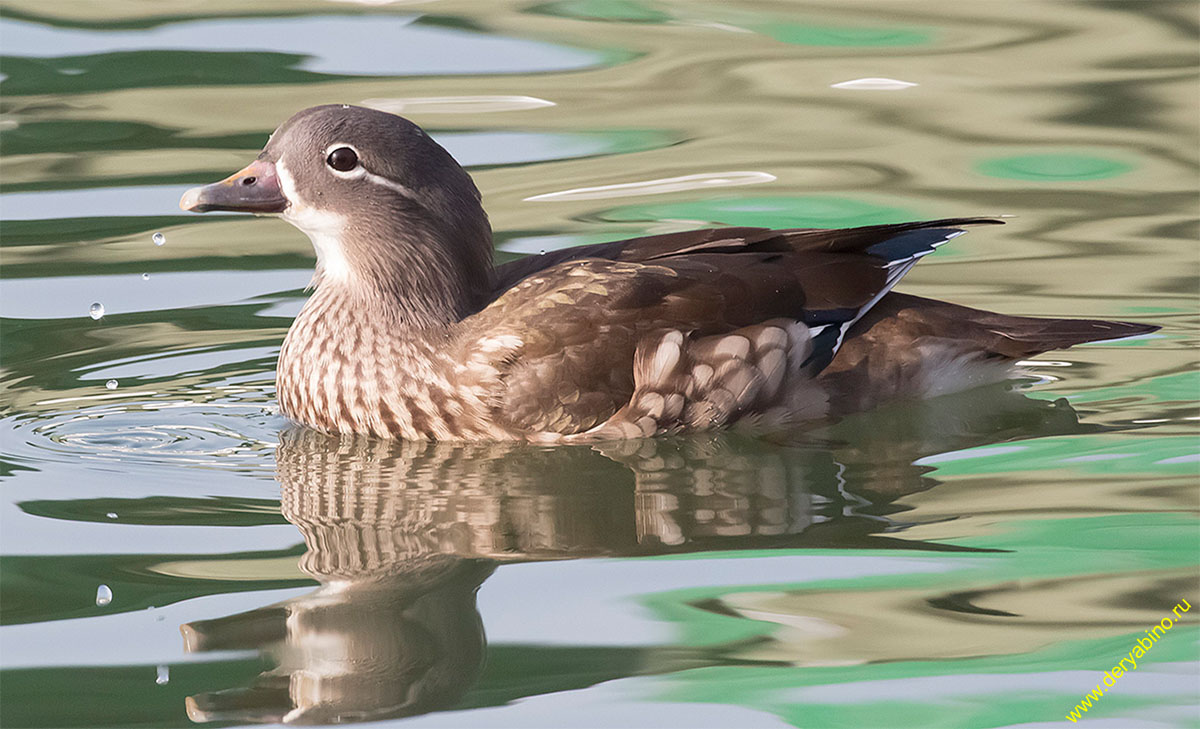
x=393, y=217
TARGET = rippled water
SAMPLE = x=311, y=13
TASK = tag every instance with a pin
x=974, y=561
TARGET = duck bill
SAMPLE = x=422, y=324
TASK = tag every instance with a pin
x=253, y=189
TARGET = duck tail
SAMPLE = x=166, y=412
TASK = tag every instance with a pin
x=1037, y=335
x=1014, y=337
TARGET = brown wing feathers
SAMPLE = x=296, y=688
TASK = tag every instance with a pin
x=707, y=382
x=725, y=240
x=583, y=320
x=816, y=275
x=583, y=315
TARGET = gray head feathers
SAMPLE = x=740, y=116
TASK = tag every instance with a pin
x=393, y=216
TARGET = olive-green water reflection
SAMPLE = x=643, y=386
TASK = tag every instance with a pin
x=401, y=535
x=912, y=586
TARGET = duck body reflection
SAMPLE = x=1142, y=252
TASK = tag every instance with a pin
x=401, y=534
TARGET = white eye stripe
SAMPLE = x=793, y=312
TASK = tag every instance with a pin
x=385, y=182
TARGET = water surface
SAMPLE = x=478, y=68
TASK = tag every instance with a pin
x=974, y=561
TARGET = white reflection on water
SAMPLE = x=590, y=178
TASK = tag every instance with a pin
x=471, y=149
x=874, y=84
x=1123, y=239
x=1157, y=680
x=104, y=640
x=383, y=45
x=456, y=104
x=63, y=297
x=598, y=602
x=628, y=702
x=380, y=2
x=104, y=202
x=969, y=453
x=659, y=186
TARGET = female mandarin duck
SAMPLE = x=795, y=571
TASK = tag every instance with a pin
x=412, y=333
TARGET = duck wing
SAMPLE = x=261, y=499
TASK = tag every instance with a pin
x=558, y=342
x=729, y=240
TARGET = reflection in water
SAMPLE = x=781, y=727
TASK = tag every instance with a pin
x=401, y=535
x=402, y=639
x=1087, y=134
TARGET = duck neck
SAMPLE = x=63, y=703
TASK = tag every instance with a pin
x=414, y=281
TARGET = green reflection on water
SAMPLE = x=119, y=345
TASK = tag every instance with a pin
x=626, y=11
x=816, y=35
x=704, y=83
x=732, y=17
x=986, y=702
x=116, y=696
x=513, y=672
x=106, y=136
x=1081, y=453
x=1053, y=167
x=41, y=589
x=141, y=69
x=1180, y=387
x=1061, y=632
x=1043, y=549
x=816, y=211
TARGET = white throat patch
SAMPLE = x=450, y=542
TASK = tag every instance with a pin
x=322, y=227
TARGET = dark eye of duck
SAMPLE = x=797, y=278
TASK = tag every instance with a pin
x=342, y=159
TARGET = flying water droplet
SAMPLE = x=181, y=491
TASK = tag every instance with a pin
x=103, y=595
x=158, y=239
x=164, y=675
x=111, y=515
x=96, y=311
x=145, y=277
x=111, y=384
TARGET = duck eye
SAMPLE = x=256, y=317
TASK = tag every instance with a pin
x=342, y=159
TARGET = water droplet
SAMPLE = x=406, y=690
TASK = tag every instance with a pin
x=103, y=595
x=111, y=515
x=164, y=675
x=96, y=310
x=145, y=277
x=158, y=239
x=111, y=384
